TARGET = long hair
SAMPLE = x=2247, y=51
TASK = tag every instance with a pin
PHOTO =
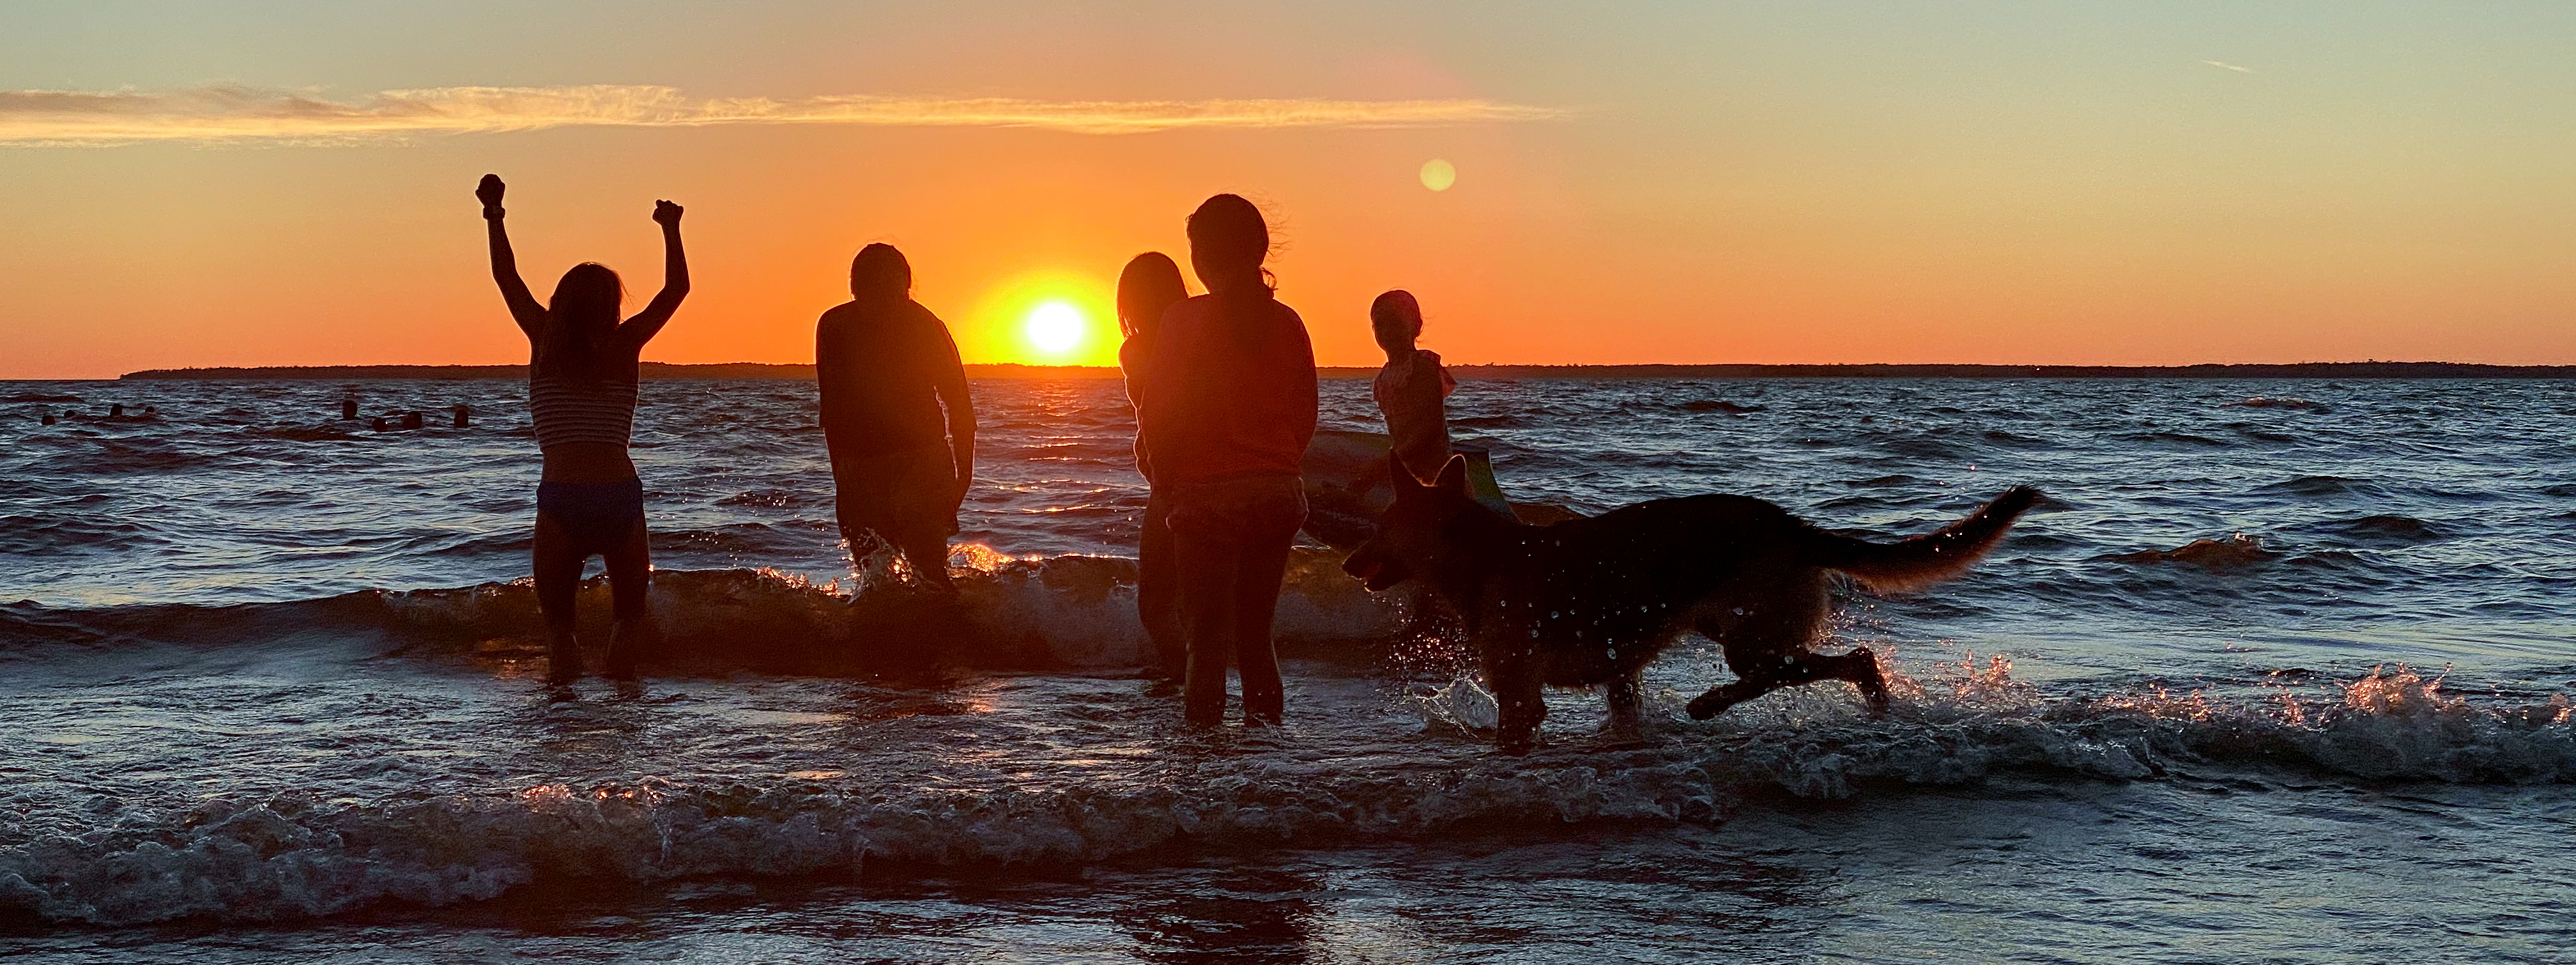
x=1149, y=284
x=880, y=272
x=581, y=319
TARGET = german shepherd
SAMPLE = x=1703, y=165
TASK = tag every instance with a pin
x=1593, y=601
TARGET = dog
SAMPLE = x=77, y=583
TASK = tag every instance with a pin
x=1589, y=602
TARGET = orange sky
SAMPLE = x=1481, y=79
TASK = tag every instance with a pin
x=2101, y=188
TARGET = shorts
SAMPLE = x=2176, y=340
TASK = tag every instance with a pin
x=900, y=495
x=598, y=516
x=1243, y=509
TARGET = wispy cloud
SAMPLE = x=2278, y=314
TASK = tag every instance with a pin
x=228, y=113
x=2223, y=65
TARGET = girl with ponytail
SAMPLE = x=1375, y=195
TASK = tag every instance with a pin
x=1226, y=410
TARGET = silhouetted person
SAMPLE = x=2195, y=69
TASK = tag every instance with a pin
x=116, y=411
x=583, y=376
x=1149, y=286
x=49, y=417
x=349, y=407
x=413, y=420
x=1411, y=388
x=380, y=425
x=886, y=368
x=461, y=412
x=1227, y=411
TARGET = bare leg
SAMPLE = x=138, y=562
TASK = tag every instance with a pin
x=558, y=572
x=1208, y=567
x=630, y=580
x=1158, y=592
x=1263, y=566
x=927, y=555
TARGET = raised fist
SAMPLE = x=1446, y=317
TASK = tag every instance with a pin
x=489, y=191
x=667, y=214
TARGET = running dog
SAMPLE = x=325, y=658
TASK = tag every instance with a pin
x=1593, y=601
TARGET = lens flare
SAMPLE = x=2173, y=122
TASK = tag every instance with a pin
x=1438, y=174
x=1055, y=327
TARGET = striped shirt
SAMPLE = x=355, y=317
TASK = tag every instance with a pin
x=567, y=412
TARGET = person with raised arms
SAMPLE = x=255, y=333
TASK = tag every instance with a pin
x=584, y=375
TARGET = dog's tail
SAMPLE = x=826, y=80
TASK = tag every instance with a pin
x=1922, y=561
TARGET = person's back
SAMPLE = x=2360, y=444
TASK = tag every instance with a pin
x=897, y=417
x=1234, y=392
x=1227, y=407
x=879, y=367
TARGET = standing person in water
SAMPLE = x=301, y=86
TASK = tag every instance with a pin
x=583, y=376
x=1411, y=388
x=1228, y=408
x=887, y=367
x=1149, y=286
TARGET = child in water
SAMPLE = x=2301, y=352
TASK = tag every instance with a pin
x=1411, y=388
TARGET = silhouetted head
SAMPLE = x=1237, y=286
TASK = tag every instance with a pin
x=1228, y=242
x=1413, y=536
x=1397, y=319
x=1148, y=285
x=880, y=273
x=580, y=318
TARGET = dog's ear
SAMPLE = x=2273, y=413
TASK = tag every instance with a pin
x=1453, y=476
x=1405, y=484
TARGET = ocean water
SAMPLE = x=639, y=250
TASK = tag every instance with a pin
x=2277, y=673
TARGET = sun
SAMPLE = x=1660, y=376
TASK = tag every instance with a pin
x=1055, y=327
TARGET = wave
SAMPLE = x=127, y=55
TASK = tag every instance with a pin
x=2216, y=555
x=2282, y=402
x=1061, y=613
x=260, y=857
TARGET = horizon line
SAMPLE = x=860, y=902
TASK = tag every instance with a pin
x=798, y=370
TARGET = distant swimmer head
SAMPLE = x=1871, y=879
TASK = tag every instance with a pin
x=880, y=273
x=1397, y=319
x=1228, y=242
x=1150, y=284
x=579, y=321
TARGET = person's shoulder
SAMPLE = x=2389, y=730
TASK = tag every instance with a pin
x=1426, y=356
x=842, y=315
x=1192, y=308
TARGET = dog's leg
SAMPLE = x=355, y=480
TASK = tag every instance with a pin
x=1861, y=668
x=1626, y=696
x=1522, y=704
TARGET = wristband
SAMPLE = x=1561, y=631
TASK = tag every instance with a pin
x=492, y=212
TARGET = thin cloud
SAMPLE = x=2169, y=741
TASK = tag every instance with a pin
x=2223, y=65
x=229, y=113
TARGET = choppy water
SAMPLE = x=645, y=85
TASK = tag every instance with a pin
x=268, y=696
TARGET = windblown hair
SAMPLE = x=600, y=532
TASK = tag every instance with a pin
x=1149, y=285
x=1397, y=319
x=581, y=320
x=1228, y=230
x=880, y=272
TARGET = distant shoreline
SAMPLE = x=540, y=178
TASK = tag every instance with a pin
x=761, y=370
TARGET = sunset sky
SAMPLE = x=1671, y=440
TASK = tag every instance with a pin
x=274, y=183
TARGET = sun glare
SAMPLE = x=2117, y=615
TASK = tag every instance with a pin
x=1055, y=327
